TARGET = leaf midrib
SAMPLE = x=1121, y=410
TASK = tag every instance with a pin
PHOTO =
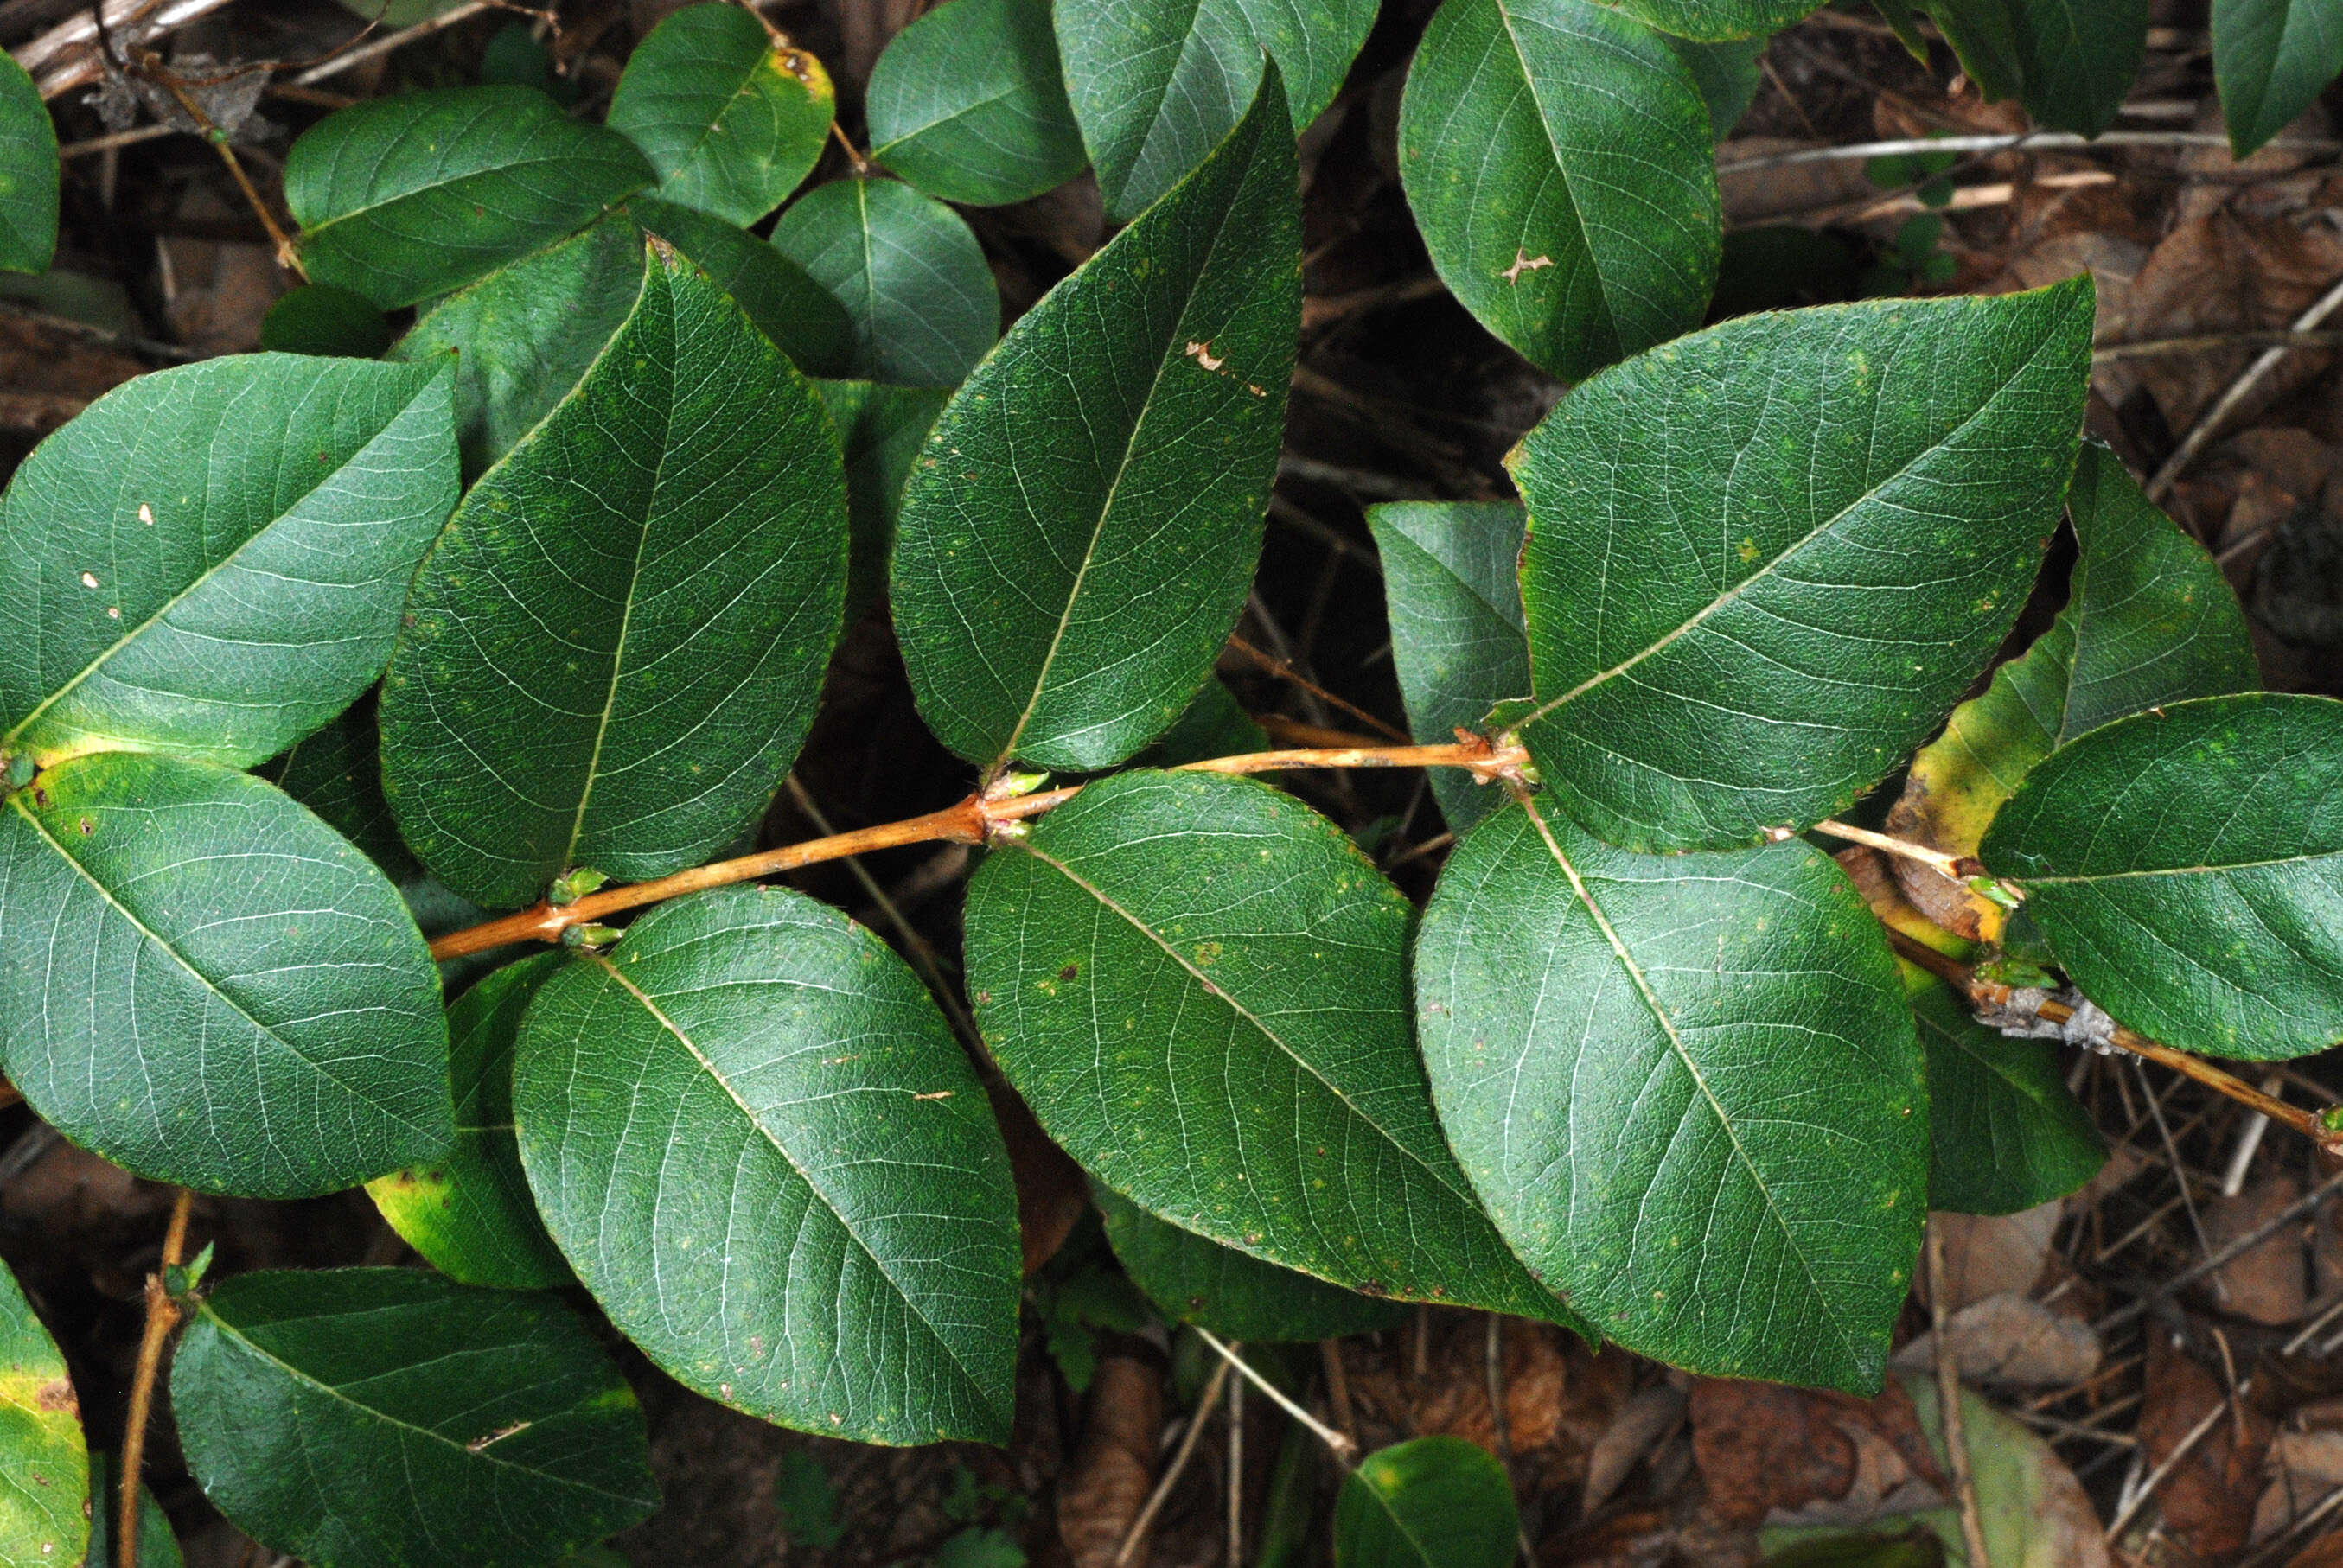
x=1561, y=165
x=2092, y=878
x=1675, y=1043
x=311, y=231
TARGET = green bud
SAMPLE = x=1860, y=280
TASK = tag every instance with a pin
x=1008, y=786
x=1992, y=891
x=180, y=1279
x=590, y=936
x=575, y=884
x=20, y=771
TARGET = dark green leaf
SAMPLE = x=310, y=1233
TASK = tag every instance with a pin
x=1687, y=1089
x=2270, y=59
x=28, y=174
x=881, y=430
x=968, y=103
x=157, y=1547
x=2005, y=1133
x=1157, y=83
x=1434, y=1502
x=807, y=1500
x=211, y=559
x=1556, y=156
x=803, y=318
x=1727, y=76
x=337, y=774
x=731, y=119
x=469, y=1212
x=1199, y=984
x=43, y=1468
x=2077, y=58
x=405, y=197
x=911, y=276
x=515, y=58
x=387, y=1418
x=2149, y=619
x=760, y=1147
x=1984, y=36
x=696, y=581
x=1078, y=536
x=1215, y=725
x=1715, y=21
x=1236, y=1295
x=318, y=318
x=205, y=984
x=1457, y=642
x=1763, y=561
x=979, y=1549
x=2186, y=867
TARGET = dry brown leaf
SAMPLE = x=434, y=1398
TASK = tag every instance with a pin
x=2267, y=1283
x=1053, y=1193
x=2303, y=1467
x=1101, y=1492
x=1810, y=1456
x=1642, y=1422
x=2226, y=273
x=1987, y=1254
x=2207, y=1500
x=2010, y=1339
x=1759, y=196
x=2327, y=1552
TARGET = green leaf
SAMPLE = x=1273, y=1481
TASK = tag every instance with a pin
x=807, y=1501
x=1238, y=1296
x=387, y=1418
x=2186, y=867
x=1157, y=83
x=44, y=1467
x=157, y=1547
x=803, y=318
x=2005, y=1133
x=28, y=174
x=1687, y=1089
x=318, y=318
x=1199, y=985
x=1556, y=156
x=2270, y=60
x=969, y=105
x=1727, y=75
x=696, y=585
x=1078, y=538
x=732, y=119
x=1715, y=21
x=469, y=1212
x=1984, y=38
x=1764, y=561
x=337, y=774
x=205, y=984
x=763, y=1151
x=976, y=1548
x=405, y=198
x=1457, y=642
x=210, y=560
x=911, y=276
x=1215, y=725
x=881, y=429
x=2077, y=58
x=2149, y=619
x=1434, y=1502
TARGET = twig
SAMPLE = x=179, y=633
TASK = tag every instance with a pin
x=1155, y=1499
x=1952, y=865
x=2179, y=1171
x=2028, y=141
x=1343, y=1447
x=1948, y=1409
x=971, y=822
x=1283, y=669
x=390, y=41
x=1236, y=1464
x=162, y=1317
x=82, y=29
x=2201, y=435
x=288, y=257
x=1338, y=1388
x=2181, y=1451
x=2237, y=1246
x=118, y=140
x=2211, y=342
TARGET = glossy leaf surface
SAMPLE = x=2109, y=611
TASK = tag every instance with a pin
x=387, y=1418
x=205, y=984
x=731, y=120
x=1712, y=21
x=1687, y=1089
x=2149, y=619
x=2270, y=59
x=28, y=174
x=1199, y=985
x=969, y=104
x=758, y=1142
x=680, y=519
x=1556, y=156
x=881, y=429
x=210, y=560
x=2077, y=58
x=1457, y=639
x=1764, y=561
x=1157, y=83
x=405, y=197
x=1238, y=1296
x=2186, y=867
x=916, y=288
x=1432, y=1503
x=469, y=1212
x=44, y=1466
x=1078, y=536
x=2005, y=1131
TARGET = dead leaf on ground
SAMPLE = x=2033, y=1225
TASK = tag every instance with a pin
x=2010, y=1339
x=2035, y=1512
x=2303, y=1467
x=1987, y=1254
x=2267, y=1283
x=1101, y=1492
x=1770, y=1453
x=1643, y=1423
x=2207, y=1499
x=2327, y=1552
x=2226, y=273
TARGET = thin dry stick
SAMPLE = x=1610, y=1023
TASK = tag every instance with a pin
x=1156, y=1499
x=2030, y=141
x=2171, y=1462
x=1952, y=865
x=2237, y=1245
x=1285, y=670
x=1343, y=1446
x=1236, y=1467
x=2201, y=435
x=922, y=953
x=2152, y=348
x=1338, y=1388
x=162, y=1316
x=1948, y=1409
x=389, y=41
x=2179, y=1171
x=288, y=257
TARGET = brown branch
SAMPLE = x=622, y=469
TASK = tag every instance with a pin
x=971, y=822
x=162, y=1317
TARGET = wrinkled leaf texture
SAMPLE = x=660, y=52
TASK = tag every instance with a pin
x=1715, y=21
